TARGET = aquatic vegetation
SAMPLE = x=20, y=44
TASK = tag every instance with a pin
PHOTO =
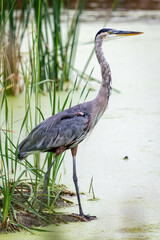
x=12, y=29
x=56, y=46
x=42, y=69
x=11, y=177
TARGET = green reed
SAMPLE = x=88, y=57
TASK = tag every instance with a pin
x=8, y=146
x=7, y=188
x=13, y=26
x=10, y=173
x=56, y=54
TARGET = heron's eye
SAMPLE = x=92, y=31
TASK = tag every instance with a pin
x=109, y=32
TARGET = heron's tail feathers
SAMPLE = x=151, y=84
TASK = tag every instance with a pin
x=22, y=156
x=22, y=153
x=25, y=148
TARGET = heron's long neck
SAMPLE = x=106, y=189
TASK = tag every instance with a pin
x=104, y=92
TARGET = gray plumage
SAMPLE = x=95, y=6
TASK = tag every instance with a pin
x=67, y=129
x=70, y=127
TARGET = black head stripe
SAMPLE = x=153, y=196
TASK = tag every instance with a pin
x=102, y=31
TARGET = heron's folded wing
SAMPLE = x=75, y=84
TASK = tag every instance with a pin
x=53, y=133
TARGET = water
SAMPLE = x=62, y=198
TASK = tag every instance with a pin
x=128, y=190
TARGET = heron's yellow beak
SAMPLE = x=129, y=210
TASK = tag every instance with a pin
x=126, y=33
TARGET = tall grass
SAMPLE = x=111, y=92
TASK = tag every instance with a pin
x=57, y=46
x=8, y=165
x=13, y=26
x=10, y=173
x=56, y=52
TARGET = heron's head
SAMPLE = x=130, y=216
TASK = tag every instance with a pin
x=114, y=34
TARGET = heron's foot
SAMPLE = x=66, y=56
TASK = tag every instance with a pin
x=83, y=217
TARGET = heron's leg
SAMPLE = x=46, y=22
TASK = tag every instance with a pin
x=45, y=183
x=75, y=179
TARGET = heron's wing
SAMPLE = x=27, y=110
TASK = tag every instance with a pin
x=56, y=131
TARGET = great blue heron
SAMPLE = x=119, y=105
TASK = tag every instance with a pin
x=65, y=130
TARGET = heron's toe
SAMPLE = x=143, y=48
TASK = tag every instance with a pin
x=84, y=218
x=90, y=218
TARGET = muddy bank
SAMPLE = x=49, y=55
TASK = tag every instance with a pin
x=30, y=219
